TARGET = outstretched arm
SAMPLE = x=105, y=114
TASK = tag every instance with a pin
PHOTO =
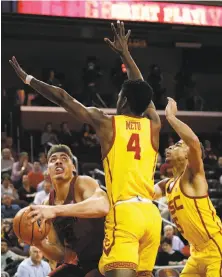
x=120, y=46
x=59, y=96
x=187, y=135
x=94, y=203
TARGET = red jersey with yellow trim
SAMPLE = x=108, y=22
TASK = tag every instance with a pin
x=195, y=217
x=130, y=164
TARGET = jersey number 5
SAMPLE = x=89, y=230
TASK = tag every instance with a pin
x=134, y=146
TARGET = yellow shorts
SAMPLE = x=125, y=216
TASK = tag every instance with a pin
x=206, y=261
x=132, y=237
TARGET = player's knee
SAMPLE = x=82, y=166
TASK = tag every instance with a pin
x=121, y=273
x=144, y=273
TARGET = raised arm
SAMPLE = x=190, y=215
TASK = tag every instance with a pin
x=120, y=46
x=187, y=135
x=59, y=96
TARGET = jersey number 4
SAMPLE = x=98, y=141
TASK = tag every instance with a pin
x=134, y=146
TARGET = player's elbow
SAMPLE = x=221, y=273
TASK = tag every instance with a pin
x=194, y=142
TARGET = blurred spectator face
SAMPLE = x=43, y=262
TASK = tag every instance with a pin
x=25, y=180
x=4, y=247
x=7, y=200
x=21, y=96
x=9, y=142
x=49, y=128
x=168, y=232
x=166, y=247
x=170, y=141
x=35, y=254
x=47, y=187
x=7, y=226
x=207, y=144
x=36, y=166
x=220, y=162
x=42, y=158
x=51, y=74
x=23, y=158
x=6, y=154
x=6, y=182
x=65, y=127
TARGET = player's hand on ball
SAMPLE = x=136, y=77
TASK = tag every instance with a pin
x=19, y=71
x=41, y=213
x=120, y=43
x=171, y=108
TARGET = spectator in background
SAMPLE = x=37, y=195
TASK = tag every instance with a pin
x=41, y=196
x=89, y=138
x=10, y=146
x=66, y=136
x=177, y=243
x=20, y=168
x=211, y=157
x=26, y=192
x=169, y=256
x=46, y=179
x=8, y=209
x=35, y=176
x=7, y=160
x=194, y=102
x=34, y=265
x=43, y=161
x=52, y=80
x=219, y=168
x=48, y=135
x=155, y=79
x=91, y=76
x=7, y=256
x=7, y=187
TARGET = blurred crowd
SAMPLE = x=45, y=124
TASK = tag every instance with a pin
x=26, y=182
x=90, y=91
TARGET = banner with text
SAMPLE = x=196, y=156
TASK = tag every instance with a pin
x=160, y=12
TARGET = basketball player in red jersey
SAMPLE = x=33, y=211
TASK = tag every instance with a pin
x=189, y=203
x=129, y=143
x=73, y=240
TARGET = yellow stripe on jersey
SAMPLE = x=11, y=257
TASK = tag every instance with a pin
x=130, y=164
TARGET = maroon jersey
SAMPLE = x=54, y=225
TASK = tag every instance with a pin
x=84, y=236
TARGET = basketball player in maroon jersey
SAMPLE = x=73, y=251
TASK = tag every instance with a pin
x=79, y=238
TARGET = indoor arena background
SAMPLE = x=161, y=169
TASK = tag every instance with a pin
x=177, y=46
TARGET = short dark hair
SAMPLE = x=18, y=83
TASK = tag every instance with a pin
x=139, y=95
x=166, y=240
x=59, y=148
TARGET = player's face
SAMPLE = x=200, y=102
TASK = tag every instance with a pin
x=176, y=152
x=60, y=166
x=120, y=103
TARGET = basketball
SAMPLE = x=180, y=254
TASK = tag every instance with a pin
x=29, y=232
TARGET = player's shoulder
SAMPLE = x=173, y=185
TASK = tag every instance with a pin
x=84, y=181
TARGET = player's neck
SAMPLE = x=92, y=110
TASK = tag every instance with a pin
x=62, y=190
x=177, y=171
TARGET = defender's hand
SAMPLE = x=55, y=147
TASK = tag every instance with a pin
x=120, y=43
x=171, y=108
x=19, y=71
x=42, y=213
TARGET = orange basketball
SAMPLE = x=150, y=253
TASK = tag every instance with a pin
x=29, y=232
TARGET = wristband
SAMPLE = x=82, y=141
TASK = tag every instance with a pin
x=28, y=79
